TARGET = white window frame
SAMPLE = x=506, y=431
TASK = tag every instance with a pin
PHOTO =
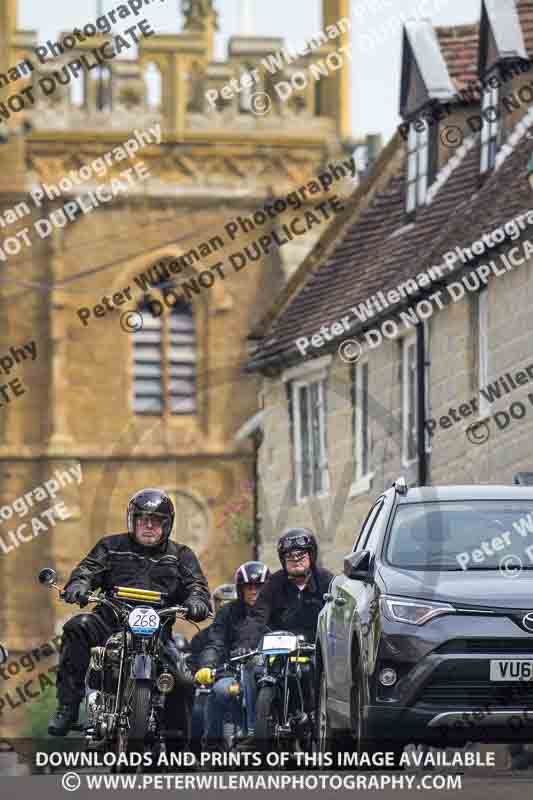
x=489, y=130
x=483, y=349
x=304, y=374
x=418, y=146
x=296, y=388
x=407, y=343
x=362, y=480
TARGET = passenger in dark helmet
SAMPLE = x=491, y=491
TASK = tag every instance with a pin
x=144, y=558
x=224, y=640
x=222, y=595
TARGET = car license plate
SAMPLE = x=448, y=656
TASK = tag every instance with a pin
x=511, y=669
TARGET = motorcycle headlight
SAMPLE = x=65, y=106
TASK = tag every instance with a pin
x=414, y=612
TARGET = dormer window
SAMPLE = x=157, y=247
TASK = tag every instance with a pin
x=490, y=131
x=418, y=146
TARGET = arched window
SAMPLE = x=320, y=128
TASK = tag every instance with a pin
x=164, y=361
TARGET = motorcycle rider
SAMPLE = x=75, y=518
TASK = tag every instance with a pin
x=293, y=597
x=224, y=640
x=222, y=595
x=143, y=558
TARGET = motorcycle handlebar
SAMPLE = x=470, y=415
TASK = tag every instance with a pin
x=92, y=598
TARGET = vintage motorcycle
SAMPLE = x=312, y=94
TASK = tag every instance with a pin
x=235, y=730
x=283, y=717
x=130, y=677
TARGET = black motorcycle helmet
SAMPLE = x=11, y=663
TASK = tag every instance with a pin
x=250, y=572
x=297, y=539
x=151, y=501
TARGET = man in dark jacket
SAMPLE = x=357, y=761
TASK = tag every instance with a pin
x=143, y=558
x=293, y=597
x=223, y=641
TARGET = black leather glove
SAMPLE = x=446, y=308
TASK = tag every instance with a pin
x=76, y=593
x=197, y=609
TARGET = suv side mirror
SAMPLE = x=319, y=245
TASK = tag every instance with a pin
x=4, y=654
x=358, y=566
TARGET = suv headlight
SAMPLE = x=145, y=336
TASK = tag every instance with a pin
x=414, y=612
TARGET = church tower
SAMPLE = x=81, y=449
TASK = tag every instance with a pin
x=160, y=405
x=8, y=25
x=335, y=93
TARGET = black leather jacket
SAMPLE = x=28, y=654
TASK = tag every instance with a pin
x=119, y=560
x=224, y=634
x=282, y=606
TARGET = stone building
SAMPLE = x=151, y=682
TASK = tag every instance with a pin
x=144, y=387
x=374, y=357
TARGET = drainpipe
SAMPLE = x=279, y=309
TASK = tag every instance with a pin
x=421, y=403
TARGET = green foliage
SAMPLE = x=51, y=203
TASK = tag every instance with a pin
x=38, y=713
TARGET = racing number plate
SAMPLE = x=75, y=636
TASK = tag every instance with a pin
x=144, y=621
x=511, y=669
x=279, y=643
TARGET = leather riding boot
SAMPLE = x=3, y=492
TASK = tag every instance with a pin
x=65, y=717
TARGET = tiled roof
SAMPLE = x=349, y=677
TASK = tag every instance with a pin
x=525, y=13
x=378, y=251
x=375, y=254
x=459, y=46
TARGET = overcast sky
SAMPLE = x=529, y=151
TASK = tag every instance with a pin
x=375, y=66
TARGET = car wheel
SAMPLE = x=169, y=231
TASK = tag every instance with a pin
x=328, y=739
x=371, y=745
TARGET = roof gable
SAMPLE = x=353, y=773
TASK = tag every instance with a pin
x=424, y=73
x=500, y=34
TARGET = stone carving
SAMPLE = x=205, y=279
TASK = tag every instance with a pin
x=196, y=13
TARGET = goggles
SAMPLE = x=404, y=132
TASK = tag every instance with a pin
x=297, y=542
x=295, y=555
x=144, y=516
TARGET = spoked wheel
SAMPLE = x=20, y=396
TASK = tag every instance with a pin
x=140, y=712
x=121, y=750
x=268, y=720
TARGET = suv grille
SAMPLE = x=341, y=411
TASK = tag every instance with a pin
x=477, y=693
x=504, y=646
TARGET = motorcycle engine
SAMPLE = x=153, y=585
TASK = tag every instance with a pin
x=113, y=653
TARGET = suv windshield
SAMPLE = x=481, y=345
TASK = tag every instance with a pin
x=462, y=535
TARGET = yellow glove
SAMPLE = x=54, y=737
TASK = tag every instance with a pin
x=205, y=676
